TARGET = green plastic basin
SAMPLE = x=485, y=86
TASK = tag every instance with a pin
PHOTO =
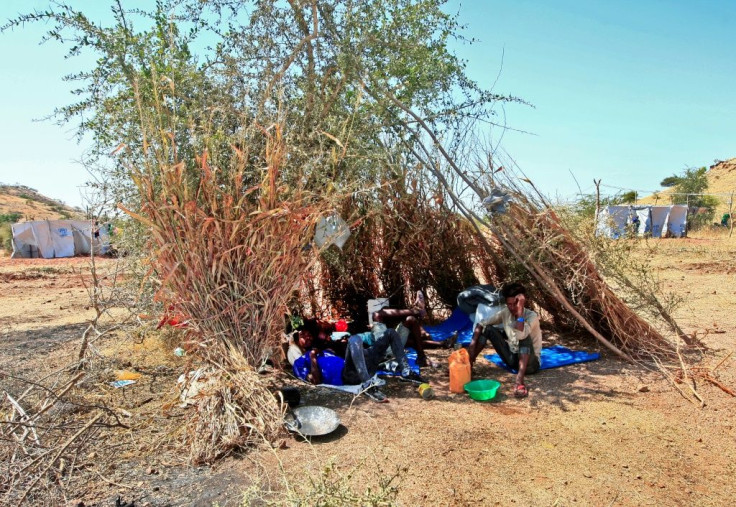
x=482, y=390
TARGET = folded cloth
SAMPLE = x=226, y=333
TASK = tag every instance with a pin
x=552, y=357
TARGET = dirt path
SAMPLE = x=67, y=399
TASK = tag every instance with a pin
x=598, y=433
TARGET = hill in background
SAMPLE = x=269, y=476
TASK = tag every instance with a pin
x=721, y=182
x=19, y=203
x=29, y=204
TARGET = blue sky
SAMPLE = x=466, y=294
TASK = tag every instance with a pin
x=624, y=91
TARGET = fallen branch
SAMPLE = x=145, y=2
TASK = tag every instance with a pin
x=58, y=454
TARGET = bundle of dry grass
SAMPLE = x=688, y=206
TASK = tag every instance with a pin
x=235, y=412
x=228, y=258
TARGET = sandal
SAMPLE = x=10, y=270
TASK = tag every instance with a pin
x=521, y=391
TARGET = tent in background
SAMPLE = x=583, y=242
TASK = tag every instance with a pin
x=612, y=221
x=58, y=238
x=677, y=221
x=659, y=221
x=660, y=214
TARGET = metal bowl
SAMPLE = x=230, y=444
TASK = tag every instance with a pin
x=312, y=421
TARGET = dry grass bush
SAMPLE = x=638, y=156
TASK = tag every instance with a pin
x=333, y=487
x=228, y=258
x=235, y=413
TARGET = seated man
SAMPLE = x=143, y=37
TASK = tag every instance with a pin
x=361, y=364
x=519, y=344
x=412, y=320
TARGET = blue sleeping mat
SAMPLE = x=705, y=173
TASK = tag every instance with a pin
x=552, y=357
x=458, y=321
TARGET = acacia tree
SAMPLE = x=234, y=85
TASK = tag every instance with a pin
x=226, y=127
x=690, y=188
x=188, y=75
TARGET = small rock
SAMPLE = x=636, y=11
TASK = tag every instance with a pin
x=588, y=475
x=644, y=389
x=151, y=471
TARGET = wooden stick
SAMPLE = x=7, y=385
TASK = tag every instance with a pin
x=722, y=361
x=668, y=376
x=716, y=383
x=23, y=414
x=687, y=377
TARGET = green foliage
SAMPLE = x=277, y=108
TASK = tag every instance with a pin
x=10, y=218
x=688, y=190
x=670, y=181
x=585, y=206
x=692, y=181
x=155, y=97
x=6, y=237
x=628, y=197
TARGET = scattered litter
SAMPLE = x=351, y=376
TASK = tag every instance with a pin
x=331, y=229
x=179, y=352
x=497, y=201
x=426, y=391
x=122, y=383
x=192, y=384
x=127, y=375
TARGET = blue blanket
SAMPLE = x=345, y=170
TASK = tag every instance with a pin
x=458, y=321
x=552, y=357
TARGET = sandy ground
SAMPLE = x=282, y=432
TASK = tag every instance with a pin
x=599, y=433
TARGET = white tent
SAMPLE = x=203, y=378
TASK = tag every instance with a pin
x=612, y=221
x=659, y=221
x=677, y=221
x=58, y=238
x=660, y=214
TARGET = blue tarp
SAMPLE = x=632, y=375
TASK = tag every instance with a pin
x=458, y=321
x=552, y=357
